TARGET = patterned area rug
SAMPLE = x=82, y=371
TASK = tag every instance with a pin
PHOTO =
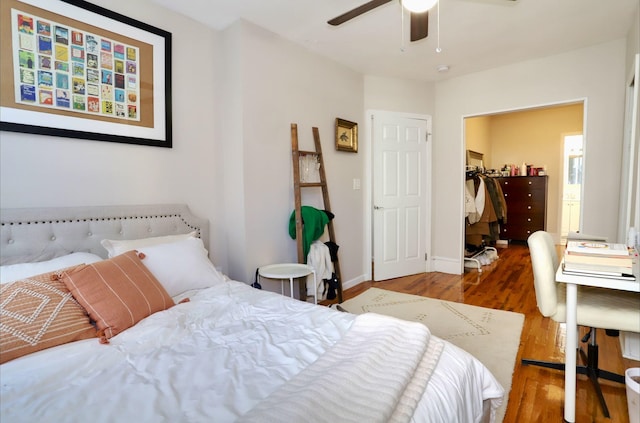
x=492, y=336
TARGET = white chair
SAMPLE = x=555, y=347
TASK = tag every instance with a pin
x=597, y=308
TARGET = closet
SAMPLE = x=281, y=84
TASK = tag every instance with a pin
x=485, y=209
x=499, y=208
x=535, y=137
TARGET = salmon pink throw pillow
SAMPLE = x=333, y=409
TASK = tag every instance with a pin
x=118, y=292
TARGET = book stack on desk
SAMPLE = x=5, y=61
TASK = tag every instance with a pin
x=599, y=259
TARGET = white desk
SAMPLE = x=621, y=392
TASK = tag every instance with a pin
x=289, y=271
x=570, y=358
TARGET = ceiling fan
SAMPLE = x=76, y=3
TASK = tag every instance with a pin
x=419, y=15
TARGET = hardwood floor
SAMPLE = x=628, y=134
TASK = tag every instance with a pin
x=537, y=395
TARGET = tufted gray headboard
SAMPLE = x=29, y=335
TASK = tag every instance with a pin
x=36, y=234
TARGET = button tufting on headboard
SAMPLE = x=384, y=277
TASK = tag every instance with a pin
x=43, y=233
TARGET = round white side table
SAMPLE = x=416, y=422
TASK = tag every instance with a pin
x=289, y=271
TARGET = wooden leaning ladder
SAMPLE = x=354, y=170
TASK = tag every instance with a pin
x=297, y=186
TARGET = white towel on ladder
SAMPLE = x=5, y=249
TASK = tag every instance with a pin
x=319, y=258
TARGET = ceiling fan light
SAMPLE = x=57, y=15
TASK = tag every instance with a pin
x=418, y=6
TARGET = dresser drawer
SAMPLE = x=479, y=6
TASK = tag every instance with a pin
x=525, y=207
x=526, y=191
x=535, y=220
x=518, y=233
x=522, y=182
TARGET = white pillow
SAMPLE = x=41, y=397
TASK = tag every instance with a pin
x=181, y=266
x=14, y=272
x=116, y=247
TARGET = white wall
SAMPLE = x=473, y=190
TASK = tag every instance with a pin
x=398, y=95
x=633, y=39
x=227, y=189
x=271, y=83
x=596, y=74
x=50, y=171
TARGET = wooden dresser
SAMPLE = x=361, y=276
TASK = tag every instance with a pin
x=526, y=198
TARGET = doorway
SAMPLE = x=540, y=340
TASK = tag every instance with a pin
x=400, y=212
x=533, y=137
x=571, y=184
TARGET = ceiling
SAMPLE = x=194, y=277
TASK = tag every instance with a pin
x=474, y=35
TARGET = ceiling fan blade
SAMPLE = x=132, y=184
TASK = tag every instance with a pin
x=419, y=25
x=357, y=12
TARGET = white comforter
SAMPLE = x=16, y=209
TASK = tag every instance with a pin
x=211, y=359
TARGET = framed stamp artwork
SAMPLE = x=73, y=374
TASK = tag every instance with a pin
x=73, y=69
x=346, y=135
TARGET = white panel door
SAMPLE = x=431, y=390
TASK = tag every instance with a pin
x=399, y=196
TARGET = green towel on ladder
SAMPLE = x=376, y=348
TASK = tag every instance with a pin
x=314, y=221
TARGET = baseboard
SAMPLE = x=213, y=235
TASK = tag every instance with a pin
x=353, y=282
x=447, y=265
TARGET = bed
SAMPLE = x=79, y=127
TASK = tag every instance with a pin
x=224, y=352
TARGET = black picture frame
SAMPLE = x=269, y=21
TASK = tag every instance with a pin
x=138, y=112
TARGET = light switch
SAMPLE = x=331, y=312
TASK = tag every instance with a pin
x=356, y=184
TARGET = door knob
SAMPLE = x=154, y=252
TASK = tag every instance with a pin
x=378, y=208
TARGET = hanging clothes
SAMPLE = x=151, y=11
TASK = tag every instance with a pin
x=481, y=195
x=319, y=258
x=313, y=223
x=470, y=209
x=499, y=204
x=482, y=225
x=477, y=232
x=497, y=198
